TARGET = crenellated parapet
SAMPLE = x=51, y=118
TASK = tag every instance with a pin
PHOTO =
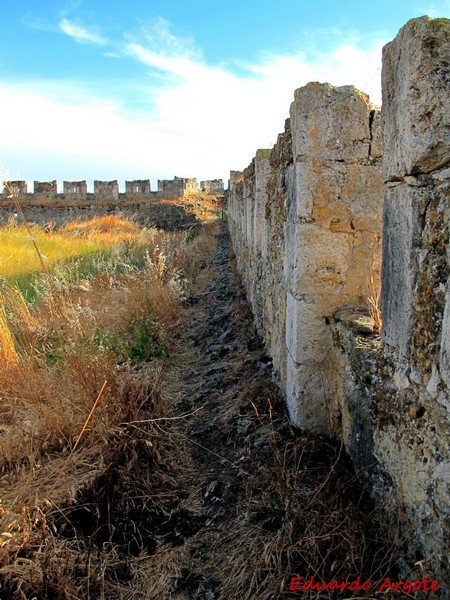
x=14, y=187
x=212, y=186
x=74, y=191
x=178, y=185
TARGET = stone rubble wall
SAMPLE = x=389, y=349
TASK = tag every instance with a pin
x=160, y=215
x=416, y=284
x=109, y=190
x=306, y=221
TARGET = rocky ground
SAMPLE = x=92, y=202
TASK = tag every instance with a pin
x=257, y=503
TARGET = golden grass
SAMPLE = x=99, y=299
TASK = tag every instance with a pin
x=18, y=242
x=66, y=436
x=18, y=255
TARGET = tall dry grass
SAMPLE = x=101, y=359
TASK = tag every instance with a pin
x=81, y=390
x=79, y=248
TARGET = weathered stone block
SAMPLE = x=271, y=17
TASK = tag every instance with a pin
x=75, y=189
x=330, y=123
x=416, y=107
x=310, y=184
x=376, y=137
x=106, y=190
x=401, y=240
x=316, y=262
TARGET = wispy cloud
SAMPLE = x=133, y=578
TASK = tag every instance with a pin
x=195, y=118
x=157, y=36
x=80, y=33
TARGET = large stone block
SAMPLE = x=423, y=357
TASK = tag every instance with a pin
x=330, y=123
x=362, y=194
x=416, y=107
x=312, y=184
x=316, y=263
x=310, y=381
x=401, y=241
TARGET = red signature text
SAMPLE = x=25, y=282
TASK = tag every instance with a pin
x=300, y=584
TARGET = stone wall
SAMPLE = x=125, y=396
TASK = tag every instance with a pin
x=138, y=187
x=106, y=189
x=14, y=187
x=395, y=391
x=306, y=227
x=45, y=189
x=212, y=186
x=178, y=185
x=109, y=190
x=306, y=223
x=159, y=215
x=75, y=189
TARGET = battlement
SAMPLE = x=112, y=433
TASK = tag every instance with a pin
x=109, y=190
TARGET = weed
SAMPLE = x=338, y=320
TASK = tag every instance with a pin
x=191, y=235
x=146, y=343
x=374, y=305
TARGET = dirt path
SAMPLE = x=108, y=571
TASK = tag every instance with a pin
x=257, y=502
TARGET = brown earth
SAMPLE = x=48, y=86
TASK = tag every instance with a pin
x=205, y=491
x=254, y=502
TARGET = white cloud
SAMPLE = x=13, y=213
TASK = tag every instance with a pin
x=82, y=35
x=201, y=120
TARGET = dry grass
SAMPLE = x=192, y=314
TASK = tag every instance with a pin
x=18, y=249
x=102, y=485
x=82, y=380
x=373, y=302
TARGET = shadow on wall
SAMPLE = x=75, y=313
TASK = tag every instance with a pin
x=306, y=220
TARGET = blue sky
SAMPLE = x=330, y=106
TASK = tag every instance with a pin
x=143, y=89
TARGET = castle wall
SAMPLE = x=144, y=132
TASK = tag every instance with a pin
x=212, y=186
x=306, y=227
x=76, y=191
x=138, y=187
x=159, y=215
x=108, y=190
x=15, y=187
x=45, y=190
x=307, y=233
x=178, y=185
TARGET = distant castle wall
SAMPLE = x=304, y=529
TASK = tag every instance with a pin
x=212, y=186
x=138, y=203
x=76, y=191
x=178, y=185
x=146, y=214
